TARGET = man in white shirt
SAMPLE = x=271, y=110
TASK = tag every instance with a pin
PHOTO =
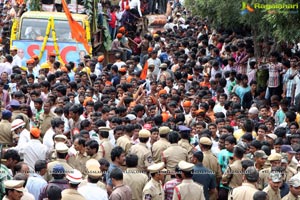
x=57, y=127
x=119, y=61
x=91, y=191
x=16, y=59
x=136, y=4
x=153, y=60
x=34, y=150
x=18, y=126
x=7, y=65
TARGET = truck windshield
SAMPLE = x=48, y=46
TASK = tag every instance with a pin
x=35, y=29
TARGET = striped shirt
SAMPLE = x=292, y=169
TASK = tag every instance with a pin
x=274, y=74
x=289, y=82
x=5, y=174
x=169, y=188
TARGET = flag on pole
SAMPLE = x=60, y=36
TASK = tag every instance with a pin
x=77, y=31
x=143, y=75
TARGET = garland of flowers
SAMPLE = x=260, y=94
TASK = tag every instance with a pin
x=51, y=26
x=14, y=30
x=55, y=42
x=45, y=38
x=88, y=34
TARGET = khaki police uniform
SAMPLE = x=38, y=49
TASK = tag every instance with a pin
x=295, y=183
x=14, y=184
x=153, y=189
x=96, y=156
x=136, y=180
x=105, y=148
x=60, y=148
x=244, y=192
x=6, y=136
x=290, y=196
x=74, y=177
x=264, y=174
x=173, y=155
x=233, y=174
x=184, y=143
x=141, y=150
x=263, y=178
x=144, y=155
x=16, y=113
x=160, y=145
x=188, y=189
x=273, y=195
x=124, y=142
x=275, y=177
x=210, y=161
x=63, y=162
x=45, y=122
x=78, y=162
x=289, y=173
x=71, y=194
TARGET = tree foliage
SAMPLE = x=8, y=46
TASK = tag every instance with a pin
x=280, y=24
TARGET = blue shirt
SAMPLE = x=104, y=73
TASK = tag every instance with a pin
x=108, y=179
x=204, y=177
x=35, y=184
x=241, y=91
x=223, y=158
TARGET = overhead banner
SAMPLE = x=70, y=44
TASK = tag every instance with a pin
x=69, y=51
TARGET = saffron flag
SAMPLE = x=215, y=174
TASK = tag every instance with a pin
x=77, y=31
x=143, y=75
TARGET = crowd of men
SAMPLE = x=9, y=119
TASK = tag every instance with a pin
x=192, y=113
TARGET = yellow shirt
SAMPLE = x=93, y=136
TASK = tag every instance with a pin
x=298, y=118
x=240, y=132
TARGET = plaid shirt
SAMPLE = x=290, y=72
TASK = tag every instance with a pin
x=289, y=82
x=169, y=188
x=274, y=74
x=241, y=61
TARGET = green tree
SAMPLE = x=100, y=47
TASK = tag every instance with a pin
x=279, y=24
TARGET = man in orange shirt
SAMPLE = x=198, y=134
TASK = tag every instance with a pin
x=205, y=82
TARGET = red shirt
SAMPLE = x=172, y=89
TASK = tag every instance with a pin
x=113, y=19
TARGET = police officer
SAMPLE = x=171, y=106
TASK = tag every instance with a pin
x=289, y=172
x=275, y=161
x=78, y=160
x=15, y=106
x=13, y=189
x=210, y=161
x=174, y=153
x=185, y=140
x=133, y=177
x=233, y=176
x=6, y=137
x=260, y=158
x=248, y=187
x=153, y=190
x=141, y=150
x=160, y=145
x=187, y=188
x=71, y=193
x=272, y=189
x=294, y=184
x=62, y=152
x=105, y=145
x=125, y=140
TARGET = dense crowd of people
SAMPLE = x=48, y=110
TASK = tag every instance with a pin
x=186, y=113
